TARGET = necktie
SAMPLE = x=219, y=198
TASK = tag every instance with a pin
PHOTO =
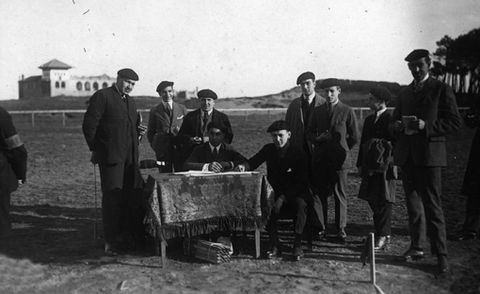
x=205, y=120
x=214, y=153
x=169, y=110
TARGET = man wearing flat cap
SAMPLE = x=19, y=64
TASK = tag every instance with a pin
x=194, y=128
x=299, y=118
x=375, y=165
x=112, y=128
x=334, y=131
x=425, y=112
x=164, y=124
x=287, y=173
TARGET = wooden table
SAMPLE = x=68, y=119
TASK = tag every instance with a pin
x=193, y=203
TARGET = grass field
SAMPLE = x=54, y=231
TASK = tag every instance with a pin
x=52, y=251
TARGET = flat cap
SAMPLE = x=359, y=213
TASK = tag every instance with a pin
x=163, y=85
x=305, y=76
x=128, y=73
x=327, y=83
x=216, y=125
x=278, y=126
x=417, y=54
x=207, y=93
x=381, y=93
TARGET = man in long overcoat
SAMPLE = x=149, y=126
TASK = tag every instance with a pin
x=111, y=127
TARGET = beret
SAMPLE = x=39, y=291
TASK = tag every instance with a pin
x=381, y=93
x=128, y=73
x=207, y=93
x=216, y=125
x=278, y=126
x=305, y=76
x=327, y=83
x=417, y=54
x=163, y=85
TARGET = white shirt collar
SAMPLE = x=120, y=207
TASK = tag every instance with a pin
x=213, y=147
x=381, y=111
x=310, y=98
x=423, y=80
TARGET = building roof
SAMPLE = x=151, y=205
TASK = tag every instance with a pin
x=31, y=79
x=55, y=64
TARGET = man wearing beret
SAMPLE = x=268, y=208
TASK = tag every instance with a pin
x=425, y=112
x=194, y=128
x=287, y=173
x=164, y=123
x=111, y=127
x=13, y=168
x=214, y=155
x=334, y=131
x=375, y=165
x=299, y=118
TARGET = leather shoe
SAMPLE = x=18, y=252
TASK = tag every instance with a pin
x=413, y=254
x=382, y=243
x=111, y=250
x=274, y=252
x=322, y=236
x=342, y=237
x=297, y=252
x=463, y=236
x=443, y=266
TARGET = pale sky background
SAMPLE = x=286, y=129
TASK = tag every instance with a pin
x=236, y=48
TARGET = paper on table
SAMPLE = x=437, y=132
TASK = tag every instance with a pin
x=210, y=173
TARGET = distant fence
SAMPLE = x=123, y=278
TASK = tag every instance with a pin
x=245, y=112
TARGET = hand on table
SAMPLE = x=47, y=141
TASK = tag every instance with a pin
x=216, y=167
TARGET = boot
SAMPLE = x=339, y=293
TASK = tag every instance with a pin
x=297, y=247
x=274, y=250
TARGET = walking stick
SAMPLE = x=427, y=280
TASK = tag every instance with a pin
x=95, y=205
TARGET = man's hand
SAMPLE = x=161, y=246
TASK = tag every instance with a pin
x=216, y=167
x=226, y=165
x=239, y=168
x=196, y=140
x=398, y=126
x=323, y=137
x=94, y=158
x=416, y=124
x=21, y=182
x=278, y=204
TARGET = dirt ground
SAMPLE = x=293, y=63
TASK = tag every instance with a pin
x=52, y=250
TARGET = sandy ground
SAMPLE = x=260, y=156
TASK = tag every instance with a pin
x=52, y=250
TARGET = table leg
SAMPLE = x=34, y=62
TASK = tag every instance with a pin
x=257, y=242
x=163, y=246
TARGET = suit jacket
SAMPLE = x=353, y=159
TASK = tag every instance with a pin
x=13, y=156
x=379, y=130
x=342, y=126
x=287, y=169
x=435, y=104
x=110, y=126
x=203, y=154
x=192, y=127
x=297, y=124
x=162, y=128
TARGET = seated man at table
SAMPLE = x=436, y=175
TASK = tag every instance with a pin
x=287, y=172
x=214, y=155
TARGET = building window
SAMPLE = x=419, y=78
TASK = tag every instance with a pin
x=79, y=86
x=63, y=85
x=87, y=86
x=95, y=86
x=104, y=85
x=57, y=85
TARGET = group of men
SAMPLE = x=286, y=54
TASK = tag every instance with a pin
x=307, y=162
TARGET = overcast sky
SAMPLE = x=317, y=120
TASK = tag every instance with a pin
x=236, y=48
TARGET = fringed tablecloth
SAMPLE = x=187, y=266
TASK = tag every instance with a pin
x=191, y=204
